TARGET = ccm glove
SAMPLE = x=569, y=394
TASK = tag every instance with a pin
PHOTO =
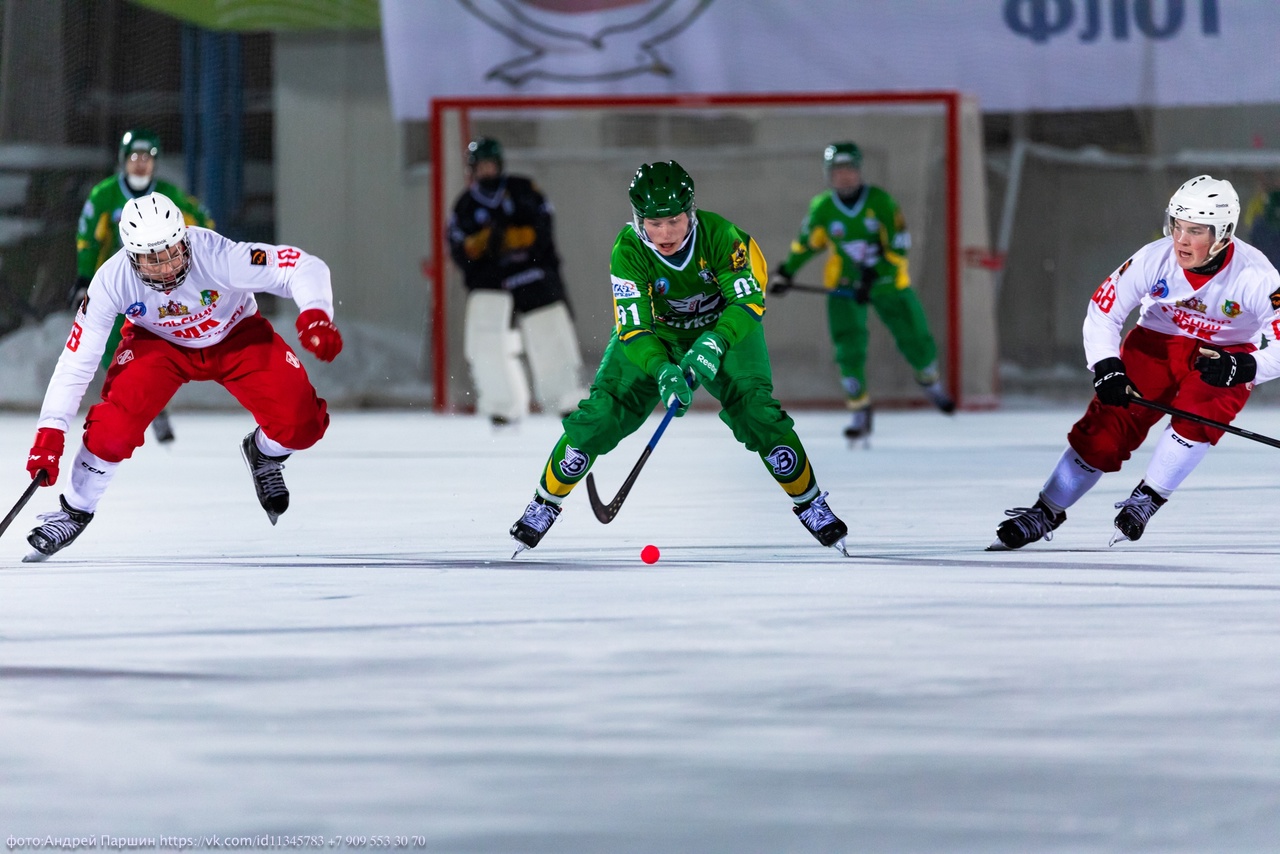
x=1220, y=368
x=779, y=283
x=318, y=335
x=1111, y=383
x=45, y=454
x=703, y=358
x=672, y=385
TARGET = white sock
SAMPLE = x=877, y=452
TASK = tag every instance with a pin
x=269, y=446
x=89, y=478
x=1072, y=477
x=1174, y=458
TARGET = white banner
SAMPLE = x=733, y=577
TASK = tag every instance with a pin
x=1010, y=54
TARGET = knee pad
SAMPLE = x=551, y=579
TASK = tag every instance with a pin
x=492, y=350
x=111, y=433
x=551, y=346
x=304, y=433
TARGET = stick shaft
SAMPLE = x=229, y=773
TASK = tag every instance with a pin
x=1208, y=422
x=606, y=512
x=36, y=482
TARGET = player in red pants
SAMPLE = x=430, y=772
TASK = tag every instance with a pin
x=1206, y=297
x=188, y=295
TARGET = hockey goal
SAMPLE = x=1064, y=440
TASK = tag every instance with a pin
x=756, y=159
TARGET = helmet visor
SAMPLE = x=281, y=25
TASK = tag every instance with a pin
x=164, y=269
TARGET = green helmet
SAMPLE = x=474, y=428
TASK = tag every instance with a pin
x=841, y=154
x=138, y=139
x=484, y=148
x=661, y=189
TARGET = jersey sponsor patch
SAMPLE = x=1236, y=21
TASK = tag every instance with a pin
x=1275, y=298
x=661, y=285
x=1231, y=308
x=1160, y=289
x=292, y=359
x=1123, y=267
x=783, y=459
x=738, y=260
x=135, y=310
x=209, y=297
x=84, y=305
x=173, y=309
x=624, y=289
x=125, y=357
x=258, y=257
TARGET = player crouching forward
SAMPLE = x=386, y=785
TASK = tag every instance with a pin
x=1206, y=297
x=688, y=302
x=188, y=294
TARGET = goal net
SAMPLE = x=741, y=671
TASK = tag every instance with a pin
x=758, y=161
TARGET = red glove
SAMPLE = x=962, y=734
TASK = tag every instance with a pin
x=318, y=334
x=45, y=454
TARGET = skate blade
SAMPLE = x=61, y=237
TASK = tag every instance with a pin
x=838, y=545
x=998, y=546
x=273, y=517
x=36, y=557
x=519, y=548
x=1117, y=536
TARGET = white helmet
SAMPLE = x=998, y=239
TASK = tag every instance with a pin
x=152, y=229
x=1208, y=201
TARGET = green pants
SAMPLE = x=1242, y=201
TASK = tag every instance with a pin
x=622, y=396
x=902, y=313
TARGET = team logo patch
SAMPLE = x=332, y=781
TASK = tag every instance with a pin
x=1275, y=298
x=1192, y=303
x=836, y=230
x=1160, y=289
x=1231, y=308
x=258, y=257
x=1123, y=267
x=783, y=459
x=209, y=297
x=623, y=289
x=574, y=462
x=738, y=260
x=292, y=359
x=661, y=286
x=126, y=356
x=136, y=310
x=174, y=309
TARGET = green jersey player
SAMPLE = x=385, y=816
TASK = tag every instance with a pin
x=688, y=297
x=868, y=241
x=98, y=231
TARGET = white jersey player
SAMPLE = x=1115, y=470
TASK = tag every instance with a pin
x=1206, y=299
x=188, y=294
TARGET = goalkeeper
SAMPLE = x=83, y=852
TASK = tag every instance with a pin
x=98, y=231
x=868, y=238
x=689, y=303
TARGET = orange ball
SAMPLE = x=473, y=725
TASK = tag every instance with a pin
x=650, y=554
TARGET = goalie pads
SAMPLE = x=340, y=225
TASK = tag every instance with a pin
x=492, y=350
x=551, y=346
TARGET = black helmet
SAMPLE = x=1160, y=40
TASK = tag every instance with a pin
x=484, y=148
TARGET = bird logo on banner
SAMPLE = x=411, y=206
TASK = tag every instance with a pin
x=621, y=41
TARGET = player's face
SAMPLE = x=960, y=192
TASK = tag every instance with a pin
x=1191, y=243
x=161, y=270
x=485, y=170
x=845, y=179
x=140, y=164
x=667, y=233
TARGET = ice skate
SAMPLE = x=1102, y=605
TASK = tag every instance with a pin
x=1135, y=511
x=938, y=397
x=859, y=427
x=56, y=531
x=1026, y=525
x=825, y=526
x=161, y=427
x=530, y=528
x=268, y=481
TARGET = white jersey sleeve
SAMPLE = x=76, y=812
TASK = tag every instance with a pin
x=1112, y=302
x=216, y=295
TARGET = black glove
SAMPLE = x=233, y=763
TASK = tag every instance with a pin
x=862, y=295
x=78, y=291
x=779, y=283
x=1220, y=368
x=1111, y=383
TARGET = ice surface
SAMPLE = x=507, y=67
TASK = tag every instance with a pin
x=377, y=664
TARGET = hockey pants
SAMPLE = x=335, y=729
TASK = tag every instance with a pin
x=902, y=313
x=253, y=363
x=623, y=396
x=1161, y=368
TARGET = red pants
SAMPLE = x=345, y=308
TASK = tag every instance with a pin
x=1161, y=368
x=252, y=362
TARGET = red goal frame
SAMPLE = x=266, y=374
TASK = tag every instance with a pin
x=463, y=106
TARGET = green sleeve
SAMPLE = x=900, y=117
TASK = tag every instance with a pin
x=894, y=239
x=633, y=307
x=96, y=235
x=194, y=212
x=811, y=239
x=740, y=282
